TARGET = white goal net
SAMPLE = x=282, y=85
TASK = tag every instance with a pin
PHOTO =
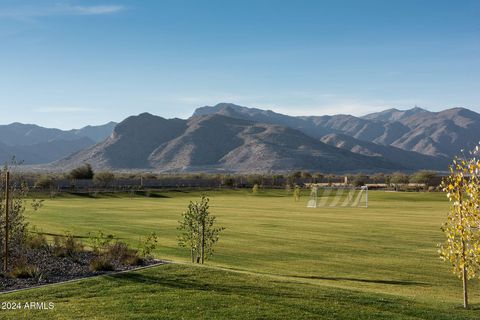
x=321, y=196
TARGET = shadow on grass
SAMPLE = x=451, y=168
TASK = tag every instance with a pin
x=114, y=195
x=92, y=194
x=82, y=194
x=379, y=281
x=191, y=283
x=67, y=235
x=60, y=235
x=150, y=194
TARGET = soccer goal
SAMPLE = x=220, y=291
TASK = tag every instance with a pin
x=344, y=196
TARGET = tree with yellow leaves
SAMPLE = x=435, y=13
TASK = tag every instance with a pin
x=462, y=228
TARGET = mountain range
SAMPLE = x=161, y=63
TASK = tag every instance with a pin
x=32, y=144
x=440, y=134
x=231, y=138
x=216, y=143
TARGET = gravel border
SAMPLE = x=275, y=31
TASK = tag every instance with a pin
x=110, y=273
x=53, y=269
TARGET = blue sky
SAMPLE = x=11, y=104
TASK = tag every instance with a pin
x=71, y=63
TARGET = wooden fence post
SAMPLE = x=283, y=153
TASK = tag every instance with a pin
x=7, y=209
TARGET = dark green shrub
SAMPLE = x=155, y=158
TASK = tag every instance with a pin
x=103, y=179
x=427, y=178
x=82, y=172
x=359, y=180
x=44, y=182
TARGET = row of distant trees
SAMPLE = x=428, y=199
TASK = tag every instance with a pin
x=424, y=177
x=108, y=179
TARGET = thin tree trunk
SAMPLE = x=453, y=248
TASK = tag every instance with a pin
x=191, y=255
x=7, y=209
x=464, y=278
x=464, y=271
x=465, y=292
x=203, y=240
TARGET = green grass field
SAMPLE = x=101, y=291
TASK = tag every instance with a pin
x=276, y=259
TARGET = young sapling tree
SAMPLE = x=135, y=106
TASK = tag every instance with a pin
x=462, y=228
x=198, y=230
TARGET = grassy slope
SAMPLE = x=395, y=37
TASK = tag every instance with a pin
x=188, y=292
x=389, y=248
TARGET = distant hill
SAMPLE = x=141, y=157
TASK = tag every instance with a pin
x=95, y=133
x=408, y=159
x=33, y=144
x=217, y=143
x=441, y=134
x=392, y=115
x=19, y=134
x=131, y=143
x=43, y=152
x=263, y=116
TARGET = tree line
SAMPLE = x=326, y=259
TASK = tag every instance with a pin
x=84, y=177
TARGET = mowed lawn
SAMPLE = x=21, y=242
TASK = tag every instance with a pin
x=317, y=261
